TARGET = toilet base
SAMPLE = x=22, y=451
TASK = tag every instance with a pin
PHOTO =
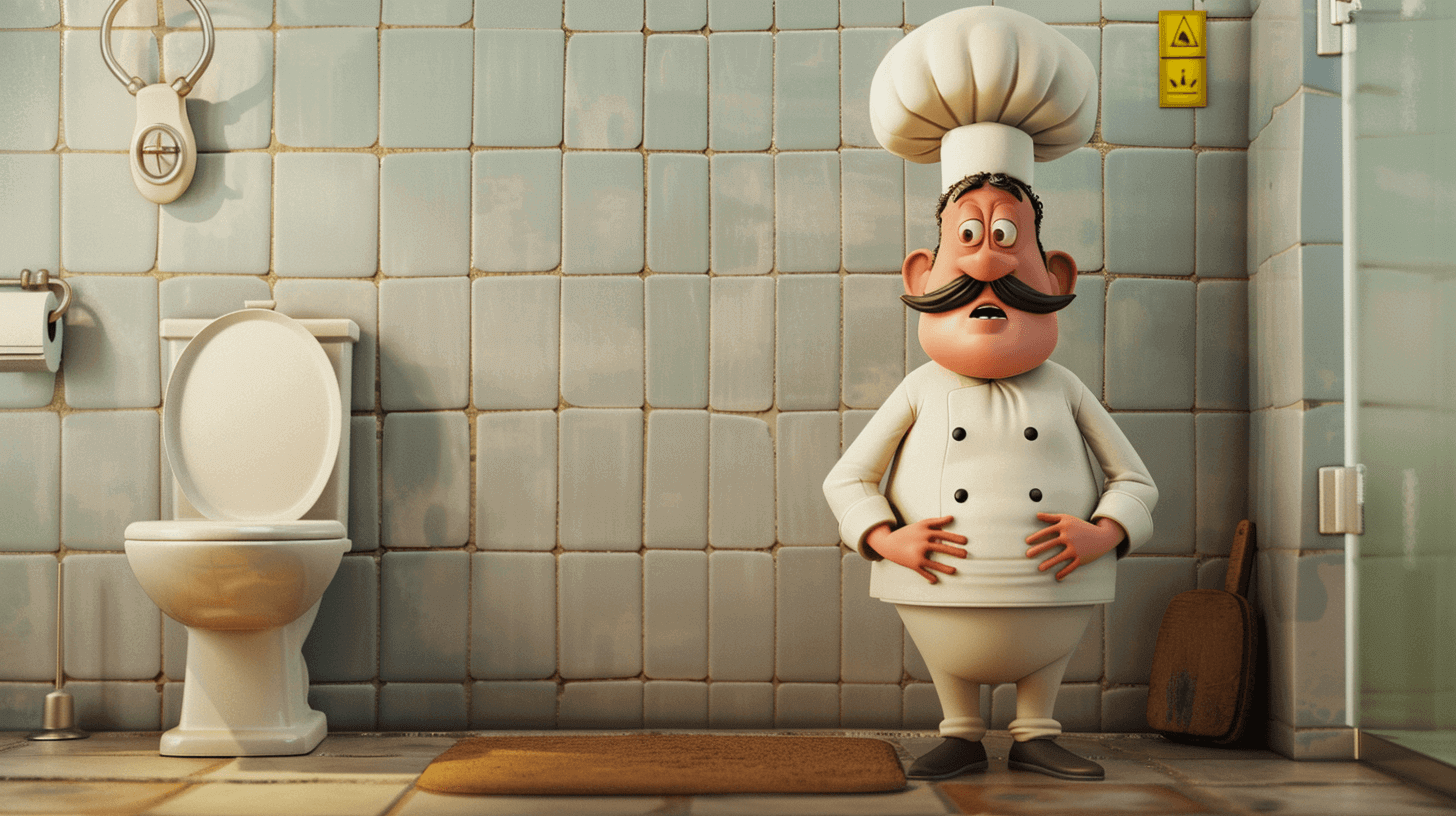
x=226, y=742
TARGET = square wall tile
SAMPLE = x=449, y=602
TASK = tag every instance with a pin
x=871, y=706
x=328, y=12
x=861, y=13
x=740, y=705
x=425, y=474
x=1283, y=58
x=519, y=85
x=602, y=220
x=326, y=215
x=806, y=705
x=1221, y=497
x=27, y=617
x=1071, y=191
x=675, y=615
x=1150, y=212
x=806, y=348
x=1221, y=249
x=1135, y=10
x=677, y=212
x=222, y=222
x=871, y=640
x=1150, y=343
x=33, y=237
x=342, y=113
x=1165, y=443
x=1144, y=588
x=740, y=15
x=529, y=704
x=28, y=14
x=740, y=483
x=351, y=299
x=343, y=644
x=742, y=214
x=676, y=313
x=348, y=707
x=1296, y=304
x=98, y=112
x=113, y=630
x=600, y=605
x=1289, y=446
x=675, y=508
x=1130, y=112
x=515, y=480
x=1292, y=200
x=806, y=211
x=106, y=225
x=740, y=616
x=516, y=210
x=31, y=90
x=513, y=616
x=920, y=12
x=807, y=14
x=873, y=190
x=874, y=332
x=1058, y=11
x=515, y=341
x=424, y=214
x=425, y=79
x=424, y=598
x=741, y=357
x=30, y=458
x=109, y=477
x=125, y=706
x=600, y=485
x=604, y=15
x=232, y=109
x=1225, y=122
x=609, y=704
x=604, y=91
x=1223, y=345
x=111, y=343
x=675, y=104
x=677, y=15
x=1304, y=604
x=422, y=707
x=518, y=13
x=364, y=483
x=225, y=14
x=602, y=341
x=443, y=13
x=806, y=647
x=1080, y=328
x=674, y=704
x=740, y=85
x=423, y=370
x=806, y=87
x=922, y=706
x=860, y=52
x=206, y=297
x=807, y=447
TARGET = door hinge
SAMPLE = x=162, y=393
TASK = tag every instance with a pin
x=1331, y=14
x=1342, y=500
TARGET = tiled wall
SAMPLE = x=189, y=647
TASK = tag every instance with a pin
x=626, y=276
x=1297, y=380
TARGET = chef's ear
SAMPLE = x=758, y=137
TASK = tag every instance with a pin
x=916, y=271
x=1063, y=270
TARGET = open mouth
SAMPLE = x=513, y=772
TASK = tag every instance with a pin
x=987, y=311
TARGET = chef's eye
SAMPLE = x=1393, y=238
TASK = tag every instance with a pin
x=1004, y=232
x=971, y=231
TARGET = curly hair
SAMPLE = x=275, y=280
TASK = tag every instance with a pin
x=1000, y=181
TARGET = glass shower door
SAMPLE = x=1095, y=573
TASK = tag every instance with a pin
x=1405, y=217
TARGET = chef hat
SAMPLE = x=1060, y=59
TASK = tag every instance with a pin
x=984, y=89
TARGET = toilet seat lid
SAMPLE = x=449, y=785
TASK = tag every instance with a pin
x=252, y=420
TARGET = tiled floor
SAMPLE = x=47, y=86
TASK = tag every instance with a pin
x=373, y=774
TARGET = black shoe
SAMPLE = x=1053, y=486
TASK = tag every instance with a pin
x=952, y=757
x=1047, y=757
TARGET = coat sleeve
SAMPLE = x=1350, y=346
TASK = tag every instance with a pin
x=1129, y=495
x=853, y=485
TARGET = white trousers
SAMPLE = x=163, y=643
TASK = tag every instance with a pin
x=967, y=646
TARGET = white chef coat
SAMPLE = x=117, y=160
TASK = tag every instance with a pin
x=993, y=454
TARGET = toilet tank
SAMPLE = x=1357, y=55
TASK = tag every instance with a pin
x=337, y=336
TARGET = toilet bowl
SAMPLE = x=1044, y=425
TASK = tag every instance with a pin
x=255, y=427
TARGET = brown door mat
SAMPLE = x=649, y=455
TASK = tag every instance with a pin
x=664, y=765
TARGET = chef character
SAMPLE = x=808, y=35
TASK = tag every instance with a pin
x=991, y=538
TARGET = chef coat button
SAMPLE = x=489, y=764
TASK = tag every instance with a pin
x=1030, y=433
x=958, y=434
x=1035, y=495
x=961, y=495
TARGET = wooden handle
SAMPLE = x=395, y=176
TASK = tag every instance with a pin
x=1241, y=559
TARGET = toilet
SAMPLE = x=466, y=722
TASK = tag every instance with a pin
x=256, y=432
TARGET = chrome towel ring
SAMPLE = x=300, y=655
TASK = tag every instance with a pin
x=163, y=149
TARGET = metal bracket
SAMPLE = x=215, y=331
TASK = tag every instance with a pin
x=1331, y=14
x=1342, y=500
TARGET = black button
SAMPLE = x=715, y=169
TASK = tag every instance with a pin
x=1035, y=494
x=961, y=495
x=958, y=434
x=1030, y=433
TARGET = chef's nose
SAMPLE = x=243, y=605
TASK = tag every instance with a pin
x=988, y=264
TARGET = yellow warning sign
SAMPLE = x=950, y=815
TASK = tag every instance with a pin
x=1182, y=34
x=1183, y=83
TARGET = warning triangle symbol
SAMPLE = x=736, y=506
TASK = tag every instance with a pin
x=1183, y=36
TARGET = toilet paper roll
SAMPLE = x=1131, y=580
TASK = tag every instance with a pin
x=29, y=341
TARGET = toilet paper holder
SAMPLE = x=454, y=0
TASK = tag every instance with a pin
x=41, y=279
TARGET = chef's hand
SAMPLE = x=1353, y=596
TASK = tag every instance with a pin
x=1082, y=542
x=911, y=545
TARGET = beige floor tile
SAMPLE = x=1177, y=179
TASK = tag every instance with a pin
x=322, y=769
x=920, y=799
x=1274, y=772
x=1101, y=799
x=383, y=745
x=54, y=796
x=1336, y=800
x=424, y=803
x=124, y=767
x=292, y=798
x=106, y=743
x=1157, y=747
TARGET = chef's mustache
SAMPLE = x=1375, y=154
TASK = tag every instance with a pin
x=1012, y=291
